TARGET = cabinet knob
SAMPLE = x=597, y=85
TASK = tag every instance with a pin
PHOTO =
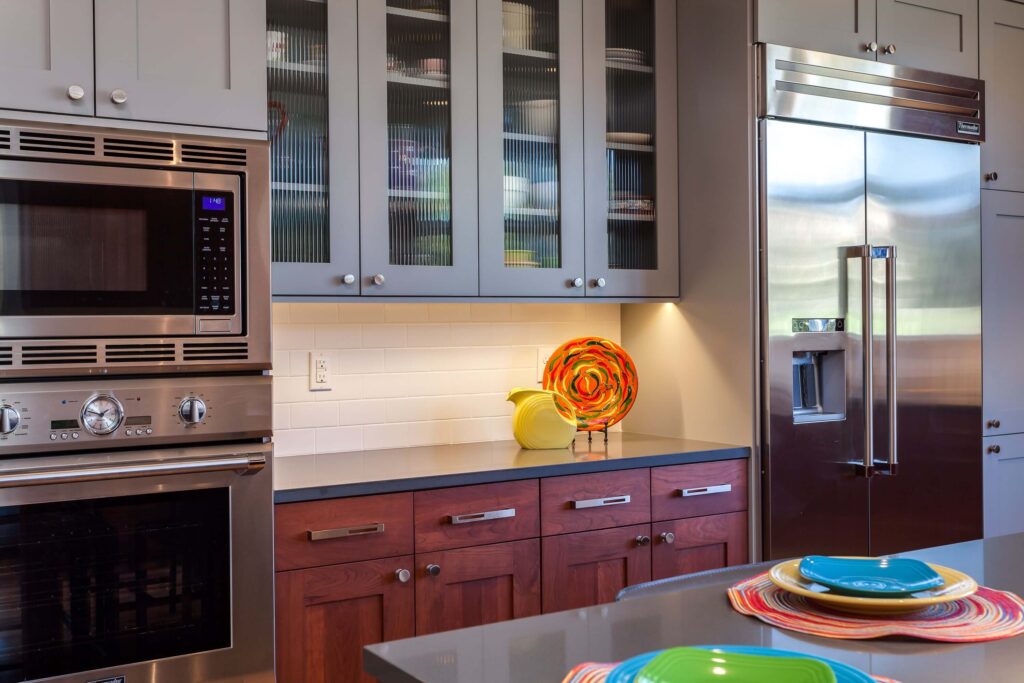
x=76, y=92
x=643, y=540
x=991, y=177
x=403, y=575
x=871, y=47
x=600, y=282
x=667, y=537
x=433, y=569
x=379, y=279
x=994, y=449
x=348, y=278
x=993, y=424
x=118, y=96
x=577, y=282
x=890, y=49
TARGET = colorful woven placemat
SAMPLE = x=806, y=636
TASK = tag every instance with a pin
x=594, y=672
x=987, y=615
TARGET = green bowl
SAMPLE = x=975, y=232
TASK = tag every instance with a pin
x=690, y=665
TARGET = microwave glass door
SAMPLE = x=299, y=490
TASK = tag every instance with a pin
x=97, y=583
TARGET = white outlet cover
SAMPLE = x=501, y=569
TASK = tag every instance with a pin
x=319, y=372
x=543, y=354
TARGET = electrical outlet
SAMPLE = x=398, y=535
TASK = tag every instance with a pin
x=319, y=372
x=543, y=355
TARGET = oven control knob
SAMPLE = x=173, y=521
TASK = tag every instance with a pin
x=192, y=410
x=10, y=418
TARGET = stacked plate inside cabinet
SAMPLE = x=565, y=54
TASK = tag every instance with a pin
x=625, y=55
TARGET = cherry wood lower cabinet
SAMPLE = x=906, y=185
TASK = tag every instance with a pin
x=326, y=615
x=591, y=567
x=477, y=585
x=697, y=544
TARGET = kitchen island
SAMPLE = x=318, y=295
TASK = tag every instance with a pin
x=542, y=649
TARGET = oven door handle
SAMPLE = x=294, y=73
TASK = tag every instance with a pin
x=243, y=463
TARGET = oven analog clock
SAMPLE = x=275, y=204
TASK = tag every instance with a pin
x=102, y=415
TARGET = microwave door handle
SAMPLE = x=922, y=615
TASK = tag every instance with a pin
x=866, y=466
x=245, y=463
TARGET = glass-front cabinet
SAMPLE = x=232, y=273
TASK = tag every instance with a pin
x=417, y=105
x=632, y=218
x=314, y=146
x=531, y=148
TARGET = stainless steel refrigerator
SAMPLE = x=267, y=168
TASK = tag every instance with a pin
x=870, y=230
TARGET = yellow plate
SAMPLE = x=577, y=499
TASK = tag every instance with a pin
x=956, y=585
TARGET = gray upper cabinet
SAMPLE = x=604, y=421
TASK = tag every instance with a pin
x=46, y=56
x=842, y=27
x=194, y=62
x=314, y=147
x=1002, y=61
x=630, y=122
x=417, y=147
x=1002, y=245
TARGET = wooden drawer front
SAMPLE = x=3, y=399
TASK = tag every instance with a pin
x=706, y=488
x=580, y=570
x=685, y=546
x=475, y=515
x=345, y=530
x=581, y=502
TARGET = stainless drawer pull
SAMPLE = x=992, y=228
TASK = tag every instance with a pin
x=705, y=490
x=599, y=502
x=345, y=532
x=482, y=516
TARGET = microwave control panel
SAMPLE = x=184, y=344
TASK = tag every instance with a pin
x=61, y=416
x=215, y=253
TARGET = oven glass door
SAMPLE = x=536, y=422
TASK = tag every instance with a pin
x=98, y=583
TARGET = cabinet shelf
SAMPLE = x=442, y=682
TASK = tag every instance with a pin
x=632, y=217
x=526, y=137
x=531, y=54
x=417, y=14
x=524, y=213
x=626, y=66
x=297, y=187
x=400, y=79
x=297, y=67
x=625, y=147
x=417, y=194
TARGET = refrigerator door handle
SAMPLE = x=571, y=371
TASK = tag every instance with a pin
x=865, y=253
x=889, y=254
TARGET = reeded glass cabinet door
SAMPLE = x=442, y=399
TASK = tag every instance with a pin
x=630, y=125
x=531, y=147
x=417, y=102
x=314, y=145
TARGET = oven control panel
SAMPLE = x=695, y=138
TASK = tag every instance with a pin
x=132, y=413
x=215, y=253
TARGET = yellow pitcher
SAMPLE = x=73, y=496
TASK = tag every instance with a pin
x=538, y=423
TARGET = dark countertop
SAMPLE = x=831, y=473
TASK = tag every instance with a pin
x=338, y=475
x=543, y=649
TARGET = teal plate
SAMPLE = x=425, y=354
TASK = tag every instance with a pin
x=870, y=577
x=627, y=671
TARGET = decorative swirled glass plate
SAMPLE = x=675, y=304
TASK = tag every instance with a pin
x=597, y=377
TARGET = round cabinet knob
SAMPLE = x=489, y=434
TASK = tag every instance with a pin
x=643, y=540
x=403, y=575
x=379, y=279
x=433, y=569
x=192, y=410
x=993, y=424
x=600, y=282
x=871, y=47
x=667, y=537
x=10, y=418
x=890, y=49
x=991, y=177
x=118, y=96
x=76, y=92
x=994, y=450
x=348, y=278
x=577, y=282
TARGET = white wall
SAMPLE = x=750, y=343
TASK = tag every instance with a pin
x=414, y=374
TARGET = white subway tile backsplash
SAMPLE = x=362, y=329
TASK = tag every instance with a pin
x=413, y=374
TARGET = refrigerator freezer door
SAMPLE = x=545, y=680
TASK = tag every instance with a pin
x=813, y=211
x=923, y=197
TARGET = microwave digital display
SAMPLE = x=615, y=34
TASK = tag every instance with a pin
x=214, y=203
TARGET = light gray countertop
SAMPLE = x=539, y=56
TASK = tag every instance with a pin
x=543, y=649
x=337, y=475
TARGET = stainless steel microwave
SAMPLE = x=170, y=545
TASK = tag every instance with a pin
x=122, y=253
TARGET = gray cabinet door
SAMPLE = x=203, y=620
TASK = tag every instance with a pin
x=1003, y=468
x=1002, y=245
x=630, y=123
x=938, y=35
x=314, y=149
x=531, y=148
x=417, y=148
x=45, y=49
x=1002, y=63
x=842, y=27
x=197, y=62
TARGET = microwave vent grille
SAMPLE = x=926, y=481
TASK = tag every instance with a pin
x=6, y=355
x=139, y=353
x=216, y=351
x=58, y=355
x=208, y=154
x=57, y=143
x=5, y=138
x=138, y=149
